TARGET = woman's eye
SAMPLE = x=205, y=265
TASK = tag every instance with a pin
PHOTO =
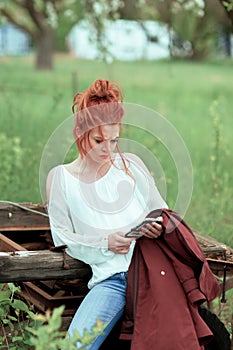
x=98, y=141
x=114, y=141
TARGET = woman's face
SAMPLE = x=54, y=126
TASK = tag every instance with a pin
x=102, y=143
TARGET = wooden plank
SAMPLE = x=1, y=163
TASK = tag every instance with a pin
x=7, y=245
x=218, y=266
x=21, y=227
x=22, y=216
x=208, y=243
x=39, y=265
x=44, y=301
x=33, y=265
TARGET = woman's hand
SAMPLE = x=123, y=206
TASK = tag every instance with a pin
x=152, y=230
x=118, y=243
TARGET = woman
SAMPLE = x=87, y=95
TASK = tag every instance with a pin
x=95, y=200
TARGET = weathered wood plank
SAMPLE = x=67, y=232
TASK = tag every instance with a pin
x=47, y=265
x=44, y=301
x=218, y=266
x=7, y=245
x=23, y=216
x=209, y=244
x=24, y=227
x=39, y=265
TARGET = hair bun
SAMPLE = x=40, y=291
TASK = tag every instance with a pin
x=100, y=88
x=101, y=91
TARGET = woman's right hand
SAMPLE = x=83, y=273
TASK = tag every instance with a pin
x=118, y=243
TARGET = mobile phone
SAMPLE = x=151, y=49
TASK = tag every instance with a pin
x=135, y=231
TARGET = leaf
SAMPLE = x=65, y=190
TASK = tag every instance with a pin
x=13, y=288
x=4, y=294
x=20, y=305
x=17, y=339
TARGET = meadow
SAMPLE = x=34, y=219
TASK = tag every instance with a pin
x=195, y=97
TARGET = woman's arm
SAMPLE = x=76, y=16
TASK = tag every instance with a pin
x=89, y=248
x=154, y=198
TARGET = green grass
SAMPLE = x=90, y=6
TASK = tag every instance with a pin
x=33, y=103
x=195, y=97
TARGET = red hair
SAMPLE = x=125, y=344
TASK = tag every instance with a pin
x=99, y=105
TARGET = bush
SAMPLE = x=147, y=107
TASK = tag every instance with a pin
x=23, y=329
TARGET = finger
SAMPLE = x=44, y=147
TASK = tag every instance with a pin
x=152, y=228
x=121, y=238
x=151, y=232
x=156, y=229
x=124, y=245
x=157, y=226
x=123, y=251
x=147, y=233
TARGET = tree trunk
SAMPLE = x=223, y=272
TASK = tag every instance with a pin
x=228, y=12
x=45, y=44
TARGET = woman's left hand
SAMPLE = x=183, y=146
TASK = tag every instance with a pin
x=152, y=230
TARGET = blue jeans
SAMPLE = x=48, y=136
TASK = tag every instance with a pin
x=105, y=301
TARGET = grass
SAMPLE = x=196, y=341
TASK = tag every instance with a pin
x=195, y=97
x=33, y=103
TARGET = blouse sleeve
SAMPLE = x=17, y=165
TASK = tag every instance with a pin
x=146, y=183
x=155, y=200
x=90, y=248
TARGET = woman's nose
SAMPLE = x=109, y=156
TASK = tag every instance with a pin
x=106, y=146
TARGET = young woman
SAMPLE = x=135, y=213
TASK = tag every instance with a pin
x=95, y=200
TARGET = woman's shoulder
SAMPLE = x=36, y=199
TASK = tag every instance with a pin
x=71, y=167
x=54, y=170
x=132, y=157
x=49, y=180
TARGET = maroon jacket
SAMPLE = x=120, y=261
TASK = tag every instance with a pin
x=168, y=279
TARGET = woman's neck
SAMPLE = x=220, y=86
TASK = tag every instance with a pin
x=89, y=171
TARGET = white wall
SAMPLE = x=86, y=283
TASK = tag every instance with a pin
x=125, y=40
x=13, y=41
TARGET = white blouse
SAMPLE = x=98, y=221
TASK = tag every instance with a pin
x=82, y=215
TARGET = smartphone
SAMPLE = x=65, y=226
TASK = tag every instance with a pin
x=135, y=231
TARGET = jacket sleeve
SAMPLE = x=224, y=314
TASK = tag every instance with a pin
x=180, y=239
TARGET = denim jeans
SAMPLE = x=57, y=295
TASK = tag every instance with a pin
x=105, y=301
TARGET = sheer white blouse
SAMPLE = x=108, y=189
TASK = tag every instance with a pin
x=82, y=215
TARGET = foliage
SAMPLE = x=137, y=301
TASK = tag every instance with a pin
x=193, y=20
x=36, y=331
x=47, y=336
x=12, y=321
x=224, y=311
x=11, y=160
x=193, y=26
x=65, y=21
x=228, y=5
x=219, y=180
x=40, y=19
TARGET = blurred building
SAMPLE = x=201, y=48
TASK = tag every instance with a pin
x=13, y=41
x=124, y=40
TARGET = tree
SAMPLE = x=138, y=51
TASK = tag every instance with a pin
x=37, y=18
x=40, y=19
x=228, y=6
x=193, y=24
